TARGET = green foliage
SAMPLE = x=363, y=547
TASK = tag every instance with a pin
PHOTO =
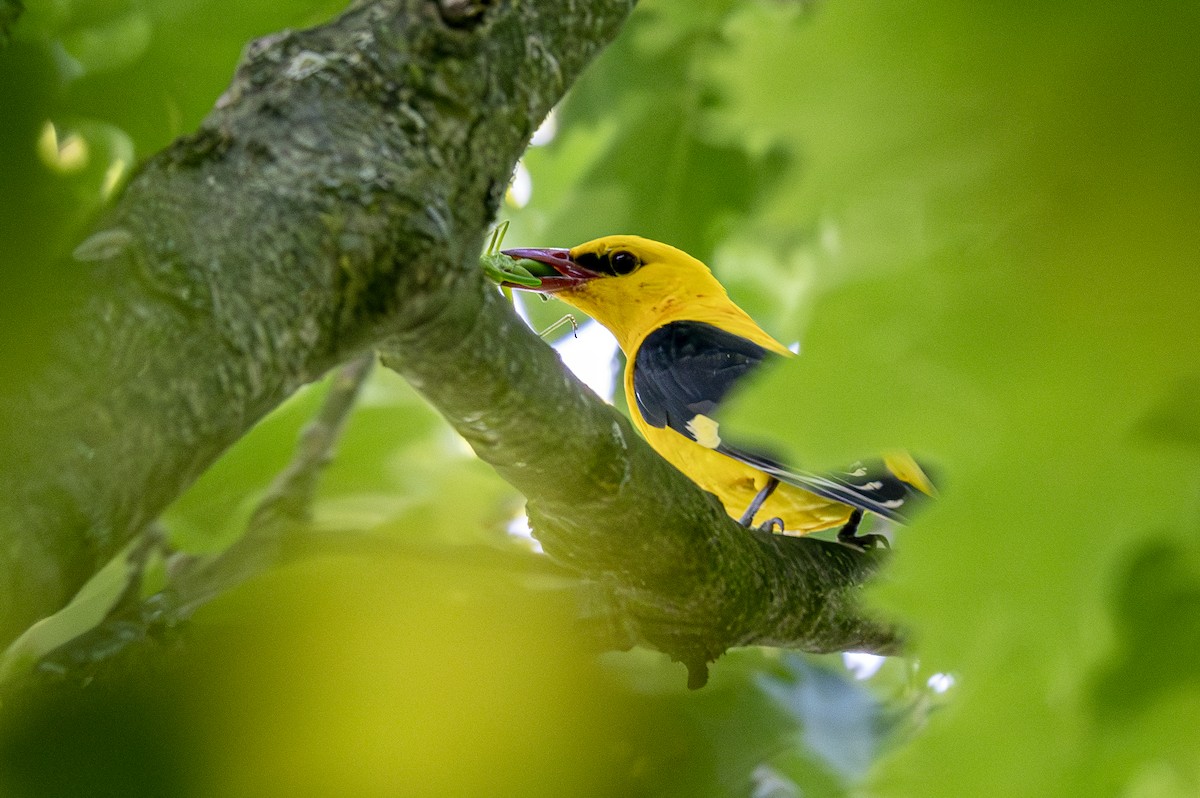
x=979, y=220
x=10, y=10
x=1012, y=295
x=632, y=159
x=983, y=235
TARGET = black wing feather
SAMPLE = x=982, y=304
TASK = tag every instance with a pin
x=686, y=368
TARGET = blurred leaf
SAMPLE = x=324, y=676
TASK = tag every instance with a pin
x=88, y=608
x=110, y=739
x=155, y=69
x=114, y=44
x=634, y=168
x=1157, y=616
x=447, y=676
x=39, y=215
x=1175, y=419
x=1011, y=297
x=353, y=675
x=10, y=11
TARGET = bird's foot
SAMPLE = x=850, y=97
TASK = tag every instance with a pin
x=848, y=535
x=865, y=542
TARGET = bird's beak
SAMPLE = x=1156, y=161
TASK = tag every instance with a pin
x=563, y=273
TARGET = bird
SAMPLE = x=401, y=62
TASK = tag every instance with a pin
x=687, y=346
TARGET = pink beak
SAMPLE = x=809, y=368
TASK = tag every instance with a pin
x=570, y=273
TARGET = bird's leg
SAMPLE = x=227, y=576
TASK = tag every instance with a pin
x=748, y=517
x=848, y=534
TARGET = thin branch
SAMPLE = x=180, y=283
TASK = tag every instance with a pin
x=286, y=508
x=279, y=521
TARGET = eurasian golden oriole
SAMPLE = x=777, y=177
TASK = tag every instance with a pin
x=687, y=346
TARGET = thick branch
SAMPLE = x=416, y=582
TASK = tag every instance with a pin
x=320, y=202
x=692, y=581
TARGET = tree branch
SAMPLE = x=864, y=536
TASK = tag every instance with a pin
x=340, y=188
x=285, y=509
x=336, y=200
x=691, y=581
x=279, y=524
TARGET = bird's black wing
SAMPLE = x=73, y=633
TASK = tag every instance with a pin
x=682, y=372
x=685, y=368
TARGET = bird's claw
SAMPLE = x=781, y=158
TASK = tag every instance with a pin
x=848, y=535
x=864, y=542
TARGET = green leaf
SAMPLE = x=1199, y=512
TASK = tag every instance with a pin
x=1157, y=615
x=114, y=44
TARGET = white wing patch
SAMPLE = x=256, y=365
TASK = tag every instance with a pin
x=704, y=431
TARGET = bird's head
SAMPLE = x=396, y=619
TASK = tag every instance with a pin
x=624, y=282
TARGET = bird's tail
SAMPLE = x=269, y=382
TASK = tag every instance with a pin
x=904, y=467
x=886, y=487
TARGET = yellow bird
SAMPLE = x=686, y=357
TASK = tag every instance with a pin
x=687, y=345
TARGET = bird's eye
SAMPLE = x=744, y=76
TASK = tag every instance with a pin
x=623, y=262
